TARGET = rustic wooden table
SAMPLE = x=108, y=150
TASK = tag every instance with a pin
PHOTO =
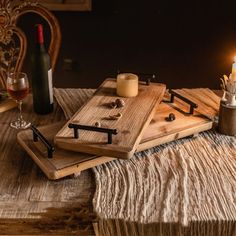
x=30, y=203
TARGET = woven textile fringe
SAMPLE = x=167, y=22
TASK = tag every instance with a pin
x=186, y=181
x=70, y=100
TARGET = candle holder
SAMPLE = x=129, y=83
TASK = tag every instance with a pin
x=227, y=111
x=127, y=85
x=229, y=98
x=227, y=119
x=229, y=90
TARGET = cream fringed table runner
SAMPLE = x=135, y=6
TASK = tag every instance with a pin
x=186, y=181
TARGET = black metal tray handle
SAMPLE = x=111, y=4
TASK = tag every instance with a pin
x=37, y=135
x=109, y=132
x=192, y=104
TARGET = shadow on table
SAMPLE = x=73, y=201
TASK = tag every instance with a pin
x=74, y=220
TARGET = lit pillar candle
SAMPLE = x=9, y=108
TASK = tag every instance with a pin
x=127, y=85
x=233, y=74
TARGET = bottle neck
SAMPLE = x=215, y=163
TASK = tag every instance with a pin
x=40, y=47
x=40, y=38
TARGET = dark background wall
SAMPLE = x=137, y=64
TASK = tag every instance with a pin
x=185, y=43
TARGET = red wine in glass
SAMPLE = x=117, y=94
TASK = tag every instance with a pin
x=18, y=88
x=18, y=94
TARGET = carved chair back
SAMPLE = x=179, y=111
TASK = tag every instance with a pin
x=13, y=42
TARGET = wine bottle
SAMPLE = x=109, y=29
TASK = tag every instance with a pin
x=41, y=76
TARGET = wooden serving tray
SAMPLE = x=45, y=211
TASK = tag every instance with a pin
x=158, y=132
x=136, y=116
x=7, y=104
x=161, y=131
x=64, y=162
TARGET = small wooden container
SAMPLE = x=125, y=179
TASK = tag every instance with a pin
x=227, y=119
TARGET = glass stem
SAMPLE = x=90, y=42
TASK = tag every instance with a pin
x=20, y=118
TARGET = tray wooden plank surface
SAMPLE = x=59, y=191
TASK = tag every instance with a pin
x=7, y=104
x=136, y=116
x=64, y=162
x=158, y=132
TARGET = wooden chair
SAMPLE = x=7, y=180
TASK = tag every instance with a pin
x=13, y=42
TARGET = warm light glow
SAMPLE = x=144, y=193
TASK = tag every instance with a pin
x=234, y=67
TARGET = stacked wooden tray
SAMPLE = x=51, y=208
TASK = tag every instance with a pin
x=152, y=127
x=126, y=124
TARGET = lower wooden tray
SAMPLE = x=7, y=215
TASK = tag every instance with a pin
x=159, y=131
x=64, y=162
x=7, y=104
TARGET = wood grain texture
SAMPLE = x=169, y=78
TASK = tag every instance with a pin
x=68, y=5
x=64, y=162
x=48, y=219
x=136, y=116
x=7, y=105
x=160, y=131
x=30, y=203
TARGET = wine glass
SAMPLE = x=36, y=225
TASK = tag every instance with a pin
x=18, y=88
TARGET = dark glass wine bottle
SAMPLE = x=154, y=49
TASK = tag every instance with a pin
x=41, y=76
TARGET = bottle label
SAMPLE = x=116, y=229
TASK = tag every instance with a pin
x=50, y=86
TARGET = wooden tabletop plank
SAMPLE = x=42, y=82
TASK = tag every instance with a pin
x=29, y=202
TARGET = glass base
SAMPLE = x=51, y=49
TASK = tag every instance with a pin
x=20, y=124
